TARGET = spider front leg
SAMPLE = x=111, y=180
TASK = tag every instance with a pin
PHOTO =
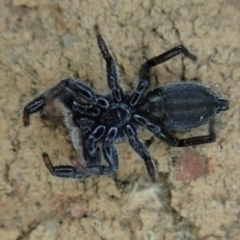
x=142, y=151
x=79, y=171
x=47, y=97
x=109, y=153
x=34, y=106
x=62, y=171
x=75, y=171
x=92, y=156
x=173, y=141
x=112, y=76
x=144, y=72
x=73, y=103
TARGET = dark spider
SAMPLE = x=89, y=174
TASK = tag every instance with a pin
x=93, y=118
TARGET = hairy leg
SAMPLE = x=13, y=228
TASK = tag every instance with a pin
x=92, y=156
x=173, y=141
x=142, y=151
x=47, y=97
x=144, y=72
x=112, y=77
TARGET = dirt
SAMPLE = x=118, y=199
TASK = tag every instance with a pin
x=43, y=42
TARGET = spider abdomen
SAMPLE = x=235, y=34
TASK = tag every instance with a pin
x=189, y=105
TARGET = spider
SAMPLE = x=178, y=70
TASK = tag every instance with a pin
x=97, y=121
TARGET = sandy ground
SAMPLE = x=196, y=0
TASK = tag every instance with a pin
x=42, y=42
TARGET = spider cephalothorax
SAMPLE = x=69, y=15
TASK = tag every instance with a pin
x=105, y=119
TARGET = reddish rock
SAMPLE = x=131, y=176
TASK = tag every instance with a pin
x=190, y=166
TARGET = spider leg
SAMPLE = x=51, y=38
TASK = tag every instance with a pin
x=61, y=171
x=142, y=151
x=109, y=153
x=34, y=106
x=91, y=152
x=79, y=171
x=144, y=72
x=47, y=97
x=76, y=171
x=76, y=106
x=164, y=135
x=112, y=76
